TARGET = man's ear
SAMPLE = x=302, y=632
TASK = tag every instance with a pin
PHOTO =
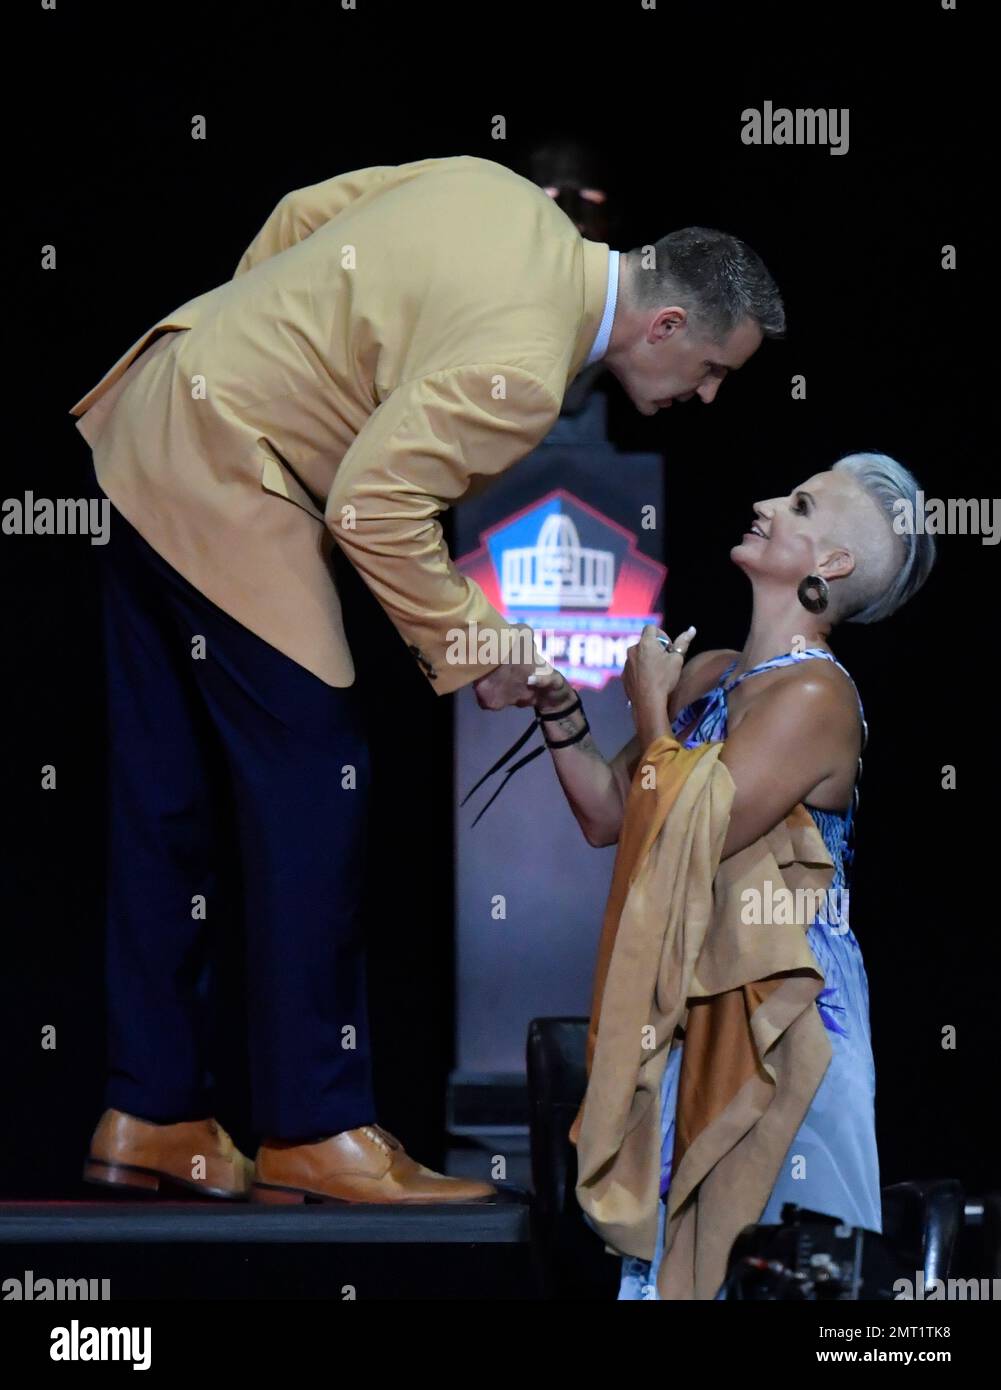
x=670, y=320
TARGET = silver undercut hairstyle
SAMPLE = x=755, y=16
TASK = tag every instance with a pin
x=891, y=568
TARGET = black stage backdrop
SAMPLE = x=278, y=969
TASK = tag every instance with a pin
x=101, y=165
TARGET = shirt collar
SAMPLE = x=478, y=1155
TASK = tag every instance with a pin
x=605, y=327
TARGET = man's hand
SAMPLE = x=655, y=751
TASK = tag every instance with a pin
x=553, y=691
x=508, y=684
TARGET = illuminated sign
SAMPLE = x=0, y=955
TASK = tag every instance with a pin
x=576, y=577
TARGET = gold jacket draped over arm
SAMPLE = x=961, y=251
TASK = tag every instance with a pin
x=676, y=952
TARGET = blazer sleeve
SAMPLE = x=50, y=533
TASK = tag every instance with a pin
x=300, y=212
x=415, y=456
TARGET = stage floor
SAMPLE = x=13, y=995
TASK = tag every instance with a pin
x=211, y=1250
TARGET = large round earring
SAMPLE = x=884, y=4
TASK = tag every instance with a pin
x=814, y=593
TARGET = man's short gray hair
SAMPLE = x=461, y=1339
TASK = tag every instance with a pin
x=868, y=596
x=718, y=279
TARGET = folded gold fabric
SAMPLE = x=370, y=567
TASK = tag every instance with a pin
x=681, y=951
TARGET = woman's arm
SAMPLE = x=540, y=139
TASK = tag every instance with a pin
x=595, y=788
x=795, y=734
x=590, y=784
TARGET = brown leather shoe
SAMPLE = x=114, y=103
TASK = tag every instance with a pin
x=129, y=1153
x=359, y=1165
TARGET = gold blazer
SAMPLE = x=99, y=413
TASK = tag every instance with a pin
x=390, y=336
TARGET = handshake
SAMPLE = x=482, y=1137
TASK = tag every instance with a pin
x=648, y=678
x=523, y=683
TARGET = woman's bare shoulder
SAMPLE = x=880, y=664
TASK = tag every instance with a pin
x=825, y=684
x=825, y=675
x=716, y=656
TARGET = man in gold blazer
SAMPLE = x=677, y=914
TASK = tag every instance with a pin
x=391, y=338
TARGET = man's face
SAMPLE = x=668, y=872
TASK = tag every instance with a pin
x=669, y=361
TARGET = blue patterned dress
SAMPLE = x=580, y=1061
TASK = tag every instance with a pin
x=832, y=1165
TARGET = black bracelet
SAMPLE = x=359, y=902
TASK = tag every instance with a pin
x=562, y=713
x=538, y=722
x=566, y=742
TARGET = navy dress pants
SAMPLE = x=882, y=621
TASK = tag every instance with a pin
x=238, y=784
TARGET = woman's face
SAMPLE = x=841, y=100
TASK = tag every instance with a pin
x=798, y=535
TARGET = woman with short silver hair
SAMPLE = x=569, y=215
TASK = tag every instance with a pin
x=836, y=549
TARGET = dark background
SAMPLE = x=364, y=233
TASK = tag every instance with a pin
x=101, y=164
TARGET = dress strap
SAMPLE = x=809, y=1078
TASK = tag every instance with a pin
x=701, y=704
x=774, y=662
x=861, y=711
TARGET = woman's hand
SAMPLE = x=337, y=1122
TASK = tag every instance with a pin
x=650, y=675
